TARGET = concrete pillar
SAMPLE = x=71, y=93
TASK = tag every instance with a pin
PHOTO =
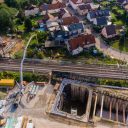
x=94, y=111
x=127, y=119
x=124, y=113
x=50, y=77
x=102, y=104
x=110, y=110
x=116, y=111
x=89, y=101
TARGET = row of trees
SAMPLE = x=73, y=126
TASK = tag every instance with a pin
x=27, y=76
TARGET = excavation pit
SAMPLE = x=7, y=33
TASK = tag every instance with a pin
x=83, y=102
x=74, y=100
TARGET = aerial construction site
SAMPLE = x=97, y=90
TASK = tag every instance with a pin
x=67, y=100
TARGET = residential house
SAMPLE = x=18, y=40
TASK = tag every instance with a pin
x=49, y=17
x=57, y=39
x=77, y=44
x=52, y=44
x=31, y=11
x=64, y=13
x=126, y=7
x=52, y=26
x=98, y=13
x=75, y=3
x=69, y=20
x=51, y=8
x=122, y=2
x=61, y=35
x=100, y=21
x=87, y=1
x=76, y=29
x=109, y=31
x=84, y=9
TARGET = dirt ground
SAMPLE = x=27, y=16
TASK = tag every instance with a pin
x=19, y=45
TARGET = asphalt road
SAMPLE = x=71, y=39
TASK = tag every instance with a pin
x=48, y=66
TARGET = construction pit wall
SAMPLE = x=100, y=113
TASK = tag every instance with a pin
x=110, y=108
x=76, y=100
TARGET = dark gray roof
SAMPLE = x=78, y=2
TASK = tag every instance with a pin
x=101, y=21
x=75, y=26
x=99, y=13
x=84, y=6
x=110, y=29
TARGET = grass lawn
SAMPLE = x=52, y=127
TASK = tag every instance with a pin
x=21, y=27
x=18, y=54
x=105, y=3
x=120, y=46
x=116, y=20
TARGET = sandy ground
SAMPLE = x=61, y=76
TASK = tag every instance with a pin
x=17, y=47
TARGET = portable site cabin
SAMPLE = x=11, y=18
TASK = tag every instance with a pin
x=30, y=125
x=5, y=83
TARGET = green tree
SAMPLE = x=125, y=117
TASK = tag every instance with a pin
x=17, y=3
x=40, y=55
x=6, y=18
x=30, y=53
x=42, y=36
x=28, y=24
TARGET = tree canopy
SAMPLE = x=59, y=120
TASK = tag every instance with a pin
x=6, y=16
x=23, y=3
x=28, y=24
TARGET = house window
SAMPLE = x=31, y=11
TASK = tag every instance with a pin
x=88, y=42
x=79, y=30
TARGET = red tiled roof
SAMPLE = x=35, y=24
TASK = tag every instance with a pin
x=81, y=40
x=69, y=20
x=53, y=6
x=75, y=1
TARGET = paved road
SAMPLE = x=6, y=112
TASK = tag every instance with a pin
x=87, y=70
x=107, y=50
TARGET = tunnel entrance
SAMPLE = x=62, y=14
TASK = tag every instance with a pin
x=74, y=100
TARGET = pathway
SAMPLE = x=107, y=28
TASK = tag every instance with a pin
x=107, y=50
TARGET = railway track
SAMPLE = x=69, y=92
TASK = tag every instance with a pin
x=87, y=70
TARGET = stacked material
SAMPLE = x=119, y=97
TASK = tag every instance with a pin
x=30, y=125
x=7, y=82
x=19, y=123
x=10, y=123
